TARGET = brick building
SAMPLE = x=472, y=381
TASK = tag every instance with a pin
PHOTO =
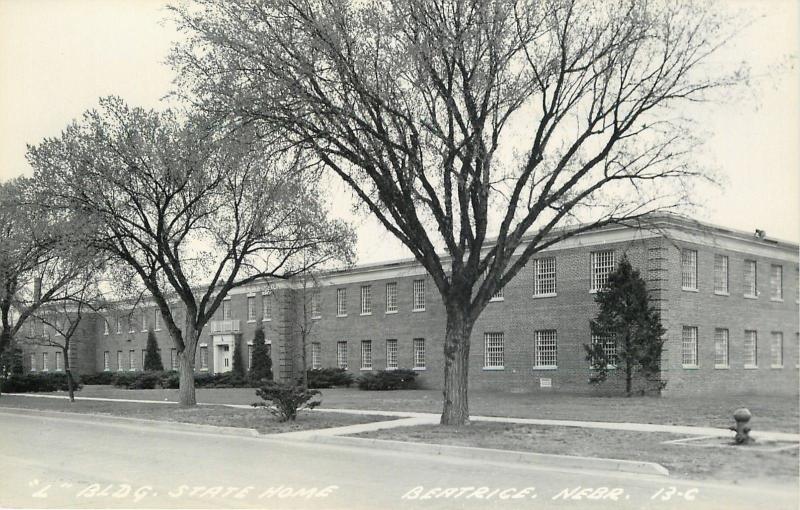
x=728, y=299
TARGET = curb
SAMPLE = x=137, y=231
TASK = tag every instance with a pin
x=493, y=455
x=125, y=421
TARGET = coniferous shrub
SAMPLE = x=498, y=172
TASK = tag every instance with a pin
x=238, y=364
x=261, y=364
x=152, y=358
x=285, y=400
x=384, y=380
x=329, y=377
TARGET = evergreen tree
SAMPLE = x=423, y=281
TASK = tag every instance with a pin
x=629, y=329
x=152, y=358
x=261, y=365
x=238, y=364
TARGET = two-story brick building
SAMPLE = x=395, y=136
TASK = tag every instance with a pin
x=728, y=300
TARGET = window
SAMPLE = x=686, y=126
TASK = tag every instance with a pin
x=497, y=296
x=144, y=321
x=544, y=277
x=750, y=349
x=33, y=362
x=545, y=349
x=602, y=265
x=609, y=344
x=119, y=325
x=721, y=274
x=721, y=348
x=226, y=309
x=341, y=302
x=315, y=314
x=132, y=360
x=419, y=354
x=45, y=365
x=266, y=305
x=391, y=297
x=106, y=361
x=59, y=362
x=105, y=327
x=494, y=350
x=249, y=355
x=173, y=359
x=157, y=319
x=131, y=325
x=391, y=354
x=203, y=357
x=341, y=354
x=366, y=355
x=316, y=362
x=119, y=361
x=689, y=269
x=776, y=282
x=689, y=347
x=366, y=300
x=32, y=327
x=251, y=308
x=776, y=350
x=419, y=295
x=750, y=279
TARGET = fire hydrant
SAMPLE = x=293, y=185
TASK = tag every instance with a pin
x=742, y=417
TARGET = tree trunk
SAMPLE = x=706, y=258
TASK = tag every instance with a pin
x=5, y=341
x=628, y=378
x=186, y=393
x=456, y=366
x=68, y=370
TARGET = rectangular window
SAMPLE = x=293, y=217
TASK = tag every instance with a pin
x=419, y=354
x=106, y=361
x=689, y=347
x=366, y=355
x=750, y=279
x=249, y=355
x=750, y=349
x=545, y=349
x=391, y=297
x=266, y=306
x=315, y=313
x=609, y=350
x=721, y=348
x=544, y=276
x=776, y=350
x=119, y=361
x=341, y=354
x=157, y=319
x=341, y=302
x=59, y=362
x=132, y=360
x=45, y=364
x=251, y=308
x=203, y=357
x=776, y=282
x=131, y=324
x=366, y=300
x=391, y=354
x=602, y=264
x=33, y=362
x=316, y=361
x=226, y=309
x=494, y=350
x=689, y=269
x=144, y=321
x=419, y=295
x=119, y=325
x=173, y=359
x=105, y=327
x=720, y=274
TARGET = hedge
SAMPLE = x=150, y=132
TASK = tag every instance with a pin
x=27, y=383
x=329, y=377
x=167, y=379
x=384, y=380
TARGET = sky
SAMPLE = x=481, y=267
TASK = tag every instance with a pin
x=57, y=57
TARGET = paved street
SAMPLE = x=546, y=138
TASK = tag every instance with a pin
x=86, y=463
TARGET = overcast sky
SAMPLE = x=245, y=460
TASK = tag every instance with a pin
x=58, y=56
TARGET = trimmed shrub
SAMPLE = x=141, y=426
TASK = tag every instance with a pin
x=98, y=378
x=261, y=364
x=329, y=377
x=28, y=383
x=384, y=380
x=138, y=380
x=170, y=380
x=226, y=380
x=284, y=400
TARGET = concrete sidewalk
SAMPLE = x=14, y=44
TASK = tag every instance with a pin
x=431, y=418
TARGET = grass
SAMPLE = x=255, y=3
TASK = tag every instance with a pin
x=256, y=418
x=735, y=464
x=775, y=413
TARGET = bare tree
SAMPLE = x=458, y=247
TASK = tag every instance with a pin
x=305, y=299
x=188, y=213
x=477, y=127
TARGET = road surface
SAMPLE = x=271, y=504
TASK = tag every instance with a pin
x=86, y=463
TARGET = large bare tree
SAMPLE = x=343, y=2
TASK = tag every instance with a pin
x=187, y=211
x=476, y=128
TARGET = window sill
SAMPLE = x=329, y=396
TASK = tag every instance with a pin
x=365, y=369
x=490, y=369
x=776, y=367
x=145, y=331
x=365, y=314
x=266, y=320
x=418, y=310
x=545, y=368
x=338, y=315
x=539, y=296
x=722, y=367
x=497, y=300
x=419, y=369
x=747, y=296
x=687, y=289
x=391, y=368
x=776, y=300
x=690, y=367
x=316, y=318
x=751, y=367
x=251, y=321
x=390, y=312
x=720, y=293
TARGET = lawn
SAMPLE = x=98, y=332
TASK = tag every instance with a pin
x=769, y=412
x=256, y=418
x=735, y=464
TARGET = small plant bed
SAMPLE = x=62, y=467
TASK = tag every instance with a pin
x=221, y=416
x=735, y=464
